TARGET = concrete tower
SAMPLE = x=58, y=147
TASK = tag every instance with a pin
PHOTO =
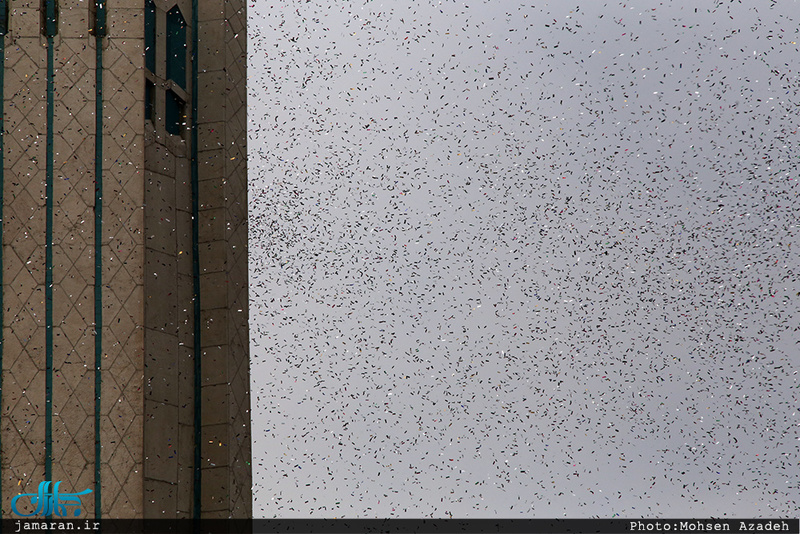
x=124, y=256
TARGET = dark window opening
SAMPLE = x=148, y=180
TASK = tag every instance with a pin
x=150, y=35
x=149, y=101
x=174, y=113
x=176, y=47
x=4, y=12
x=97, y=17
x=49, y=14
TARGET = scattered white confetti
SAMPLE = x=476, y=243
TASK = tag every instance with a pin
x=524, y=261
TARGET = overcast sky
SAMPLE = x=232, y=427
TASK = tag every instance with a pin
x=514, y=260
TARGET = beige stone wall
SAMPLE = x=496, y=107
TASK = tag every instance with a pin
x=23, y=410
x=123, y=261
x=169, y=376
x=147, y=417
x=73, y=254
x=223, y=254
x=169, y=317
x=23, y=407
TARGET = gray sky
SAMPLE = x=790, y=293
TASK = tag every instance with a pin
x=524, y=261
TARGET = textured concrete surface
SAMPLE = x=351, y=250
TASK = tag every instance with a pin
x=147, y=426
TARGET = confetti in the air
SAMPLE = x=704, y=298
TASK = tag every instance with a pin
x=514, y=260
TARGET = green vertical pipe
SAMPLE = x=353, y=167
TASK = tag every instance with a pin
x=48, y=277
x=3, y=29
x=98, y=244
x=50, y=29
x=99, y=32
x=196, y=269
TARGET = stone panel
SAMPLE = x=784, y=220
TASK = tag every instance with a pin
x=168, y=307
x=236, y=222
x=73, y=233
x=123, y=261
x=147, y=286
x=23, y=406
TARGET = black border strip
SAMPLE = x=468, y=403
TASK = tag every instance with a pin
x=449, y=526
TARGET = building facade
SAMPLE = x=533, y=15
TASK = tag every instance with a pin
x=125, y=366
